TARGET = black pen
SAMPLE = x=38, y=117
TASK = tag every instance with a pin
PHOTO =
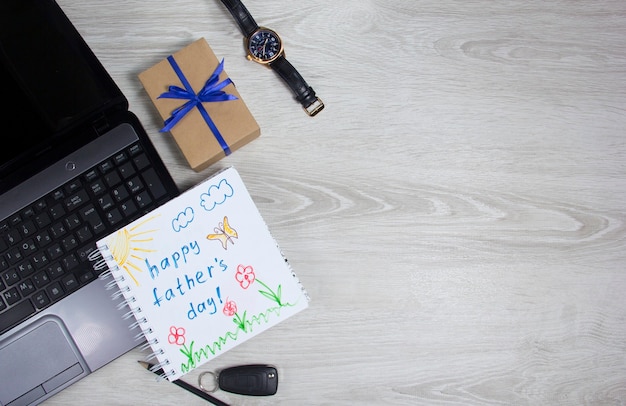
x=186, y=386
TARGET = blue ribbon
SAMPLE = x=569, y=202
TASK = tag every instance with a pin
x=210, y=92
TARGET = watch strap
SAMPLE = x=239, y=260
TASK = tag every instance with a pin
x=305, y=94
x=242, y=16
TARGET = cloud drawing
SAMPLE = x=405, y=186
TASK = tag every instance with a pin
x=217, y=194
x=183, y=219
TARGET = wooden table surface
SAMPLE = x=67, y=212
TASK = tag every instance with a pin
x=456, y=213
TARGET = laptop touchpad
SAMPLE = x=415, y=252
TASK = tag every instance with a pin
x=39, y=361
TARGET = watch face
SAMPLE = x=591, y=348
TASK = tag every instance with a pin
x=264, y=45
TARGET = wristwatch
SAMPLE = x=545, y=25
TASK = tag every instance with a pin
x=265, y=46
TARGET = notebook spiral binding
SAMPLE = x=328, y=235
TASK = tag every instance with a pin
x=99, y=259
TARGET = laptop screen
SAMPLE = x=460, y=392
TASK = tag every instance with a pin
x=48, y=84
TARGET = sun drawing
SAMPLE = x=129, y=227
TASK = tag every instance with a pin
x=126, y=246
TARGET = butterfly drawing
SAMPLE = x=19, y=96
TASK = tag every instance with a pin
x=224, y=233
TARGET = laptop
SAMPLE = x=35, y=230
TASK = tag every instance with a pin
x=75, y=165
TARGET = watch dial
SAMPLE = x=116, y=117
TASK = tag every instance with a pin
x=264, y=45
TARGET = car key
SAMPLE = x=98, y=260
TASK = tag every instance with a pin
x=253, y=380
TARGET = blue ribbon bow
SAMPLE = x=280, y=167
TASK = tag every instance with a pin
x=210, y=92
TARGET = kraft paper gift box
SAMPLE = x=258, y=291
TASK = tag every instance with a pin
x=199, y=104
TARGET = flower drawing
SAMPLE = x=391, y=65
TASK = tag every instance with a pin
x=245, y=276
x=230, y=308
x=176, y=336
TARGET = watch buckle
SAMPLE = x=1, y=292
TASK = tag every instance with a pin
x=314, y=107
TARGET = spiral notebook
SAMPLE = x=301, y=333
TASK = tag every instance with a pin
x=201, y=274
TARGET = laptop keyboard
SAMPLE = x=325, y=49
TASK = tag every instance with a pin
x=44, y=248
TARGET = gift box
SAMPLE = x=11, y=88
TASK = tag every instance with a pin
x=199, y=104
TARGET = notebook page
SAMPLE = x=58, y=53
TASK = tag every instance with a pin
x=202, y=274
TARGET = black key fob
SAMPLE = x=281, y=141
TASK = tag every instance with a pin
x=254, y=380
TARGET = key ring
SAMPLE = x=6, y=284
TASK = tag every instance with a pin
x=214, y=385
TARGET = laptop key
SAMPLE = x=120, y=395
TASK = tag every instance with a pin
x=69, y=262
x=134, y=185
x=129, y=208
x=57, y=211
x=58, y=195
x=120, y=193
x=42, y=220
x=91, y=216
x=29, y=247
x=112, y=179
x=25, y=269
x=86, y=277
x=106, y=166
x=154, y=183
x=91, y=175
x=41, y=299
x=58, y=230
x=84, y=234
x=55, y=251
x=11, y=296
x=127, y=170
x=106, y=202
x=83, y=253
x=15, y=219
x=41, y=279
x=73, y=186
x=15, y=314
x=10, y=277
x=55, y=270
x=3, y=265
x=76, y=200
x=55, y=291
x=114, y=217
x=141, y=161
x=13, y=236
x=40, y=205
x=13, y=256
x=27, y=228
x=120, y=158
x=73, y=221
x=28, y=212
x=26, y=287
x=135, y=149
x=98, y=187
x=70, y=282
x=143, y=199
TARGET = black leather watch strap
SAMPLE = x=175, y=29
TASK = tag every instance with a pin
x=305, y=94
x=242, y=16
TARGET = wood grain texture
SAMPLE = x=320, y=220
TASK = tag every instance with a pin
x=456, y=213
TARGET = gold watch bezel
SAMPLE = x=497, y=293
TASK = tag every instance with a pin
x=253, y=58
